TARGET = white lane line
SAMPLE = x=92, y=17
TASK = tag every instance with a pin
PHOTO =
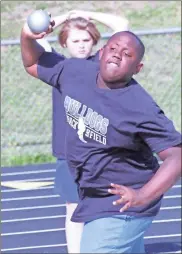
x=51, y=187
x=34, y=232
x=55, y=196
x=62, y=205
x=31, y=207
x=170, y=207
x=63, y=229
x=165, y=221
x=162, y=236
x=32, y=180
x=34, y=218
x=177, y=186
x=58, y=245
x=24, y=172
x=63, y=216
x=41, y=188
x=179, y=251
x=29, y=172
x=172, y=196
x=28, y=198
x=36, y=247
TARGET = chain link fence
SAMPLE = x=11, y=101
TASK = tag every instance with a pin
x=26, y=116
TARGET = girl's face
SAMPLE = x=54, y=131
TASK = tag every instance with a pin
x=79, y=43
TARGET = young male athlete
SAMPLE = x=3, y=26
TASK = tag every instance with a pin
x=78, y=35
x=113, y=128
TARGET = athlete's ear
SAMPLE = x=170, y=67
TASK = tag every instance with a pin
x=101, y=52
x=138, y=68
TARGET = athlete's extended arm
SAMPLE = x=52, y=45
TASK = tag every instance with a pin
x=116, y=23
x=31, y=50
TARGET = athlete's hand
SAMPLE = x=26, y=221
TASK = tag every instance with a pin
x=28, y=33
x=128, y=197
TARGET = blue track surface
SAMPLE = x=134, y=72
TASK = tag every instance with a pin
x=32, y=221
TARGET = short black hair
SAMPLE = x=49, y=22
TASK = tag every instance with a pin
x=141, y=45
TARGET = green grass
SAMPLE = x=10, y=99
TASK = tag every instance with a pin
x=141, y=14
x=30, y=159
x=26, y=102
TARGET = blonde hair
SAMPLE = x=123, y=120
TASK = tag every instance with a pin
x=78, y=23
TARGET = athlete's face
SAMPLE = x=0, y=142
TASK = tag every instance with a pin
x=120, y=58
x=79, y=43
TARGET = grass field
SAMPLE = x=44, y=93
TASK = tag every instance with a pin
x=26, y=102
x=141, y=14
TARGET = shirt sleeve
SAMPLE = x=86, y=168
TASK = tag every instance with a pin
x=95, y=57
x=49, y=68
x=159, y=132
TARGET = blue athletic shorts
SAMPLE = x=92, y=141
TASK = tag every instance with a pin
x=64, y=184
x=115, y=234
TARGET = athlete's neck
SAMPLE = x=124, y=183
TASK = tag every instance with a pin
x=110, y=85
